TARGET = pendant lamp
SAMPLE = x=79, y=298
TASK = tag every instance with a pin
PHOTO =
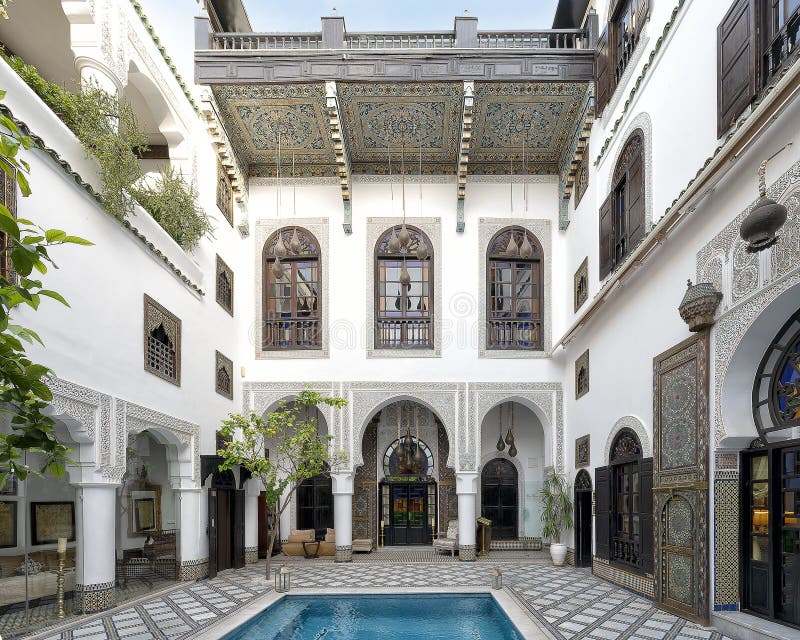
x=500, y=442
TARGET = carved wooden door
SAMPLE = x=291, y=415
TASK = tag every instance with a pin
x=680, y=478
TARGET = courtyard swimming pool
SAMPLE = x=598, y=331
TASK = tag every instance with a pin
x=388, y=617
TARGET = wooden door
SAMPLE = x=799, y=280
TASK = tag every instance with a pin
x=212, y=533
x=583, y=519
x=237, y=529
x=224, y=538
x=500, y=498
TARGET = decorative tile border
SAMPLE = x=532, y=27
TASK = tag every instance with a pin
x=193, y=569
x=344, y=553
x=642, y=585
x=466, y=552
x=726, y=531
x=91, y=598
x=250, y=555
x=520, y=544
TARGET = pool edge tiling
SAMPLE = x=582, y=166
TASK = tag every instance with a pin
x=519, y=620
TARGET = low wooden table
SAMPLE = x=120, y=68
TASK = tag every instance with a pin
x=314, y=546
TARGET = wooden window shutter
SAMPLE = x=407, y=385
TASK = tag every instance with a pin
x=646, y=514
x=602, y=511
x=642, y=11
x=602, y=62
x=737, y=63
x=607, y=236
x=635, y=201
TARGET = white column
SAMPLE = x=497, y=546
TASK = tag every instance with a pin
x=252, y=490
x=95, y=558
x=467, y=490
x=191, y=562
x=343, y=515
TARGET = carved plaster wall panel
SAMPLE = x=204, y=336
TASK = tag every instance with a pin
x=264, y=228
x=749, y=282
x=487, y=228
x=545, y=399
x=432, y=227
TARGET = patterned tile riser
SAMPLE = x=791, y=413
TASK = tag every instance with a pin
x=193, y=569
x=643, y=585
x=91, y=598
x=466, y=552
x=250, y=555
x=726, y=540
x=522, y=544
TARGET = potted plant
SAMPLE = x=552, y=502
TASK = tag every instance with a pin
x=556, y=514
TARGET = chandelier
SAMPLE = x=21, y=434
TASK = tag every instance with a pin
x=408, y=450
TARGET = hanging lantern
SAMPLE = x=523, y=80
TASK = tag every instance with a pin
x=761, y=225
x=512, y=250
x=418, y=450
x=422, y=250
x=400, y=448
x=512, y=450
x=500, y=442
x=394, y=242
x=405, y=236
x=405, y=276
x=277, y=268
x=283, y=579
x=280, y=248
x=526, y=250
x=294, y=244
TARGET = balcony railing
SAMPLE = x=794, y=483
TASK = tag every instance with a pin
x=545, y=39
x=403, y=334
x=291, y=334
x=266, y=41
x=626, y=551
x=536, y=39
x=514, y=334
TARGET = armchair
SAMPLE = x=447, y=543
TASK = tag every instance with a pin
x=450, y=541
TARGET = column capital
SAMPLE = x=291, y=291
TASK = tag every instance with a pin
x=467, y=482
x=343, y=482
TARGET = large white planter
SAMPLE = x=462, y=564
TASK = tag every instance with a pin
x=558, y=553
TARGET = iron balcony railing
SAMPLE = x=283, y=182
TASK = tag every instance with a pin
x=526, y=39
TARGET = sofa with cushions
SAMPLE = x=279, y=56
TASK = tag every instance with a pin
x=294, y=545
x=42, y=580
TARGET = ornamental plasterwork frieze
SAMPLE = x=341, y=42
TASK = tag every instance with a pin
x=749, y=284
x=264, y=228
x=641, y=121
x=487, y=227
x=635, y=424
x=445, y=399
x=545, y=399
x=432, y=227
x=108, y=421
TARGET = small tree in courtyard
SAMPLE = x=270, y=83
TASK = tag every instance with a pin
x=282, y=449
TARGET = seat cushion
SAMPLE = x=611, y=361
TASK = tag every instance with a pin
x=301, y=535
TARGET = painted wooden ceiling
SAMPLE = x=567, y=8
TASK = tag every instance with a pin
x=379, y=120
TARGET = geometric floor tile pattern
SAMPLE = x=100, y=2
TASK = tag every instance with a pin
x=567, y=603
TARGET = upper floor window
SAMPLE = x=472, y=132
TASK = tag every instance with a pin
x=514, y=265
x=224, y=285
x=403, y=289
x=622, y=215
x=616, y=45
x=224, y=193
x=292, y=289
x=162, y=342
x=754, y=41
x=223, y=375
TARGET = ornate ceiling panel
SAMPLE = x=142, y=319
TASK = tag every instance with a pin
x=259, y=117
x=544, y=114
x=397, y=115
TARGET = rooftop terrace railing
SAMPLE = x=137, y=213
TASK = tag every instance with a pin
x=562, y=39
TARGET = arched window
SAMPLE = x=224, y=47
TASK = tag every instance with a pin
x=292, y=289
x=622, y=215
x=514, y=304
x=776, y=392
x=403, y=289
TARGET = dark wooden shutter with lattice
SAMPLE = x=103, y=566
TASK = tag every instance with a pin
x=8, y=193
x=737, y=62
x=635, y=200
x=607, y=236
x=602, y=511
x=646, y=513
x=642, y=10
x=602, y=61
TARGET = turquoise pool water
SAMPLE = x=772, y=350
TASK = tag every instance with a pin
x=380, y=617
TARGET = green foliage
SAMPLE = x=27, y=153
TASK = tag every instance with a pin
x=173, y=204
x=106, y=126
x=556, y=507
x=24, y=393
x=281, y=449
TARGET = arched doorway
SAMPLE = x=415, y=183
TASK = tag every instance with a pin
x=583, y=519
x=315, y=504
x=500, y=497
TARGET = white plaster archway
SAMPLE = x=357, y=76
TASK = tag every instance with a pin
x=637, y=426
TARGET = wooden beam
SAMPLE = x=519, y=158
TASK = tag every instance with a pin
x=336, y=130
x=465, y=140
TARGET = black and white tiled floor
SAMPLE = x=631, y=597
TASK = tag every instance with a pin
x=567, y=603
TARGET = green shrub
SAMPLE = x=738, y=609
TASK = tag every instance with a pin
x=173, y=204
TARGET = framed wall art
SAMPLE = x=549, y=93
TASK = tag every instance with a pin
x=51, y=521
x=8, y=524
